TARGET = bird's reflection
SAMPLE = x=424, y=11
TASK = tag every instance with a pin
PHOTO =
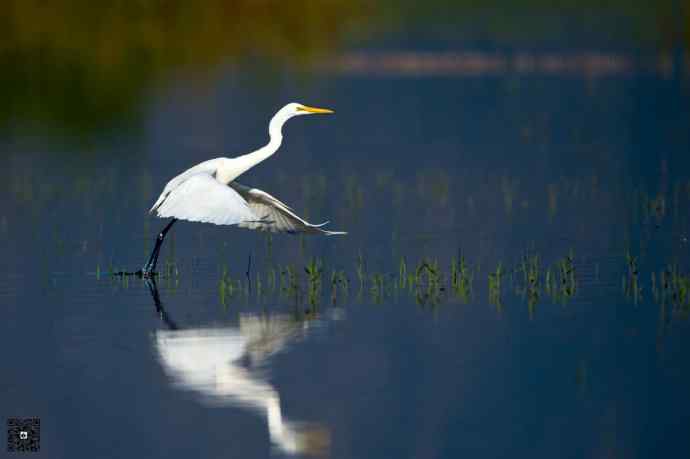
x=223, y=365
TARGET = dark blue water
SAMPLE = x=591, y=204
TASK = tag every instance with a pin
x=499, y=168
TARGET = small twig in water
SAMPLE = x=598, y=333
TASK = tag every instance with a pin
x=249, y=268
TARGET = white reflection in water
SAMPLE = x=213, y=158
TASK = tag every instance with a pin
x=224, y=365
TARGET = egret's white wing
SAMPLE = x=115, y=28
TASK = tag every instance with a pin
x=202, y=198
x=273, y=215
x=208, y=167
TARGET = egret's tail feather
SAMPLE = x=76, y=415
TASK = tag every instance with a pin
x=159, y=201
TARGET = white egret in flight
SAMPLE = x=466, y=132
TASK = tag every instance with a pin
x=208, y=193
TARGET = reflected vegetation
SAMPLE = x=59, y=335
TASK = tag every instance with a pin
x=227, y=366
x=672, y=287
x=631, y=281
x=451, y=201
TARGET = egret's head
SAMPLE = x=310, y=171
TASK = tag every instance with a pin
x=295, y=109
x=291, y=110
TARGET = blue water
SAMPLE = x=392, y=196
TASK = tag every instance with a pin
x=495, y=168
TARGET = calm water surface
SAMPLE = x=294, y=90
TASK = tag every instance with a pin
x=576, y=186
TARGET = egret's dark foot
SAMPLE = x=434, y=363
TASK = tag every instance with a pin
x=147, y=274
x=142, y=274
x=148, y=271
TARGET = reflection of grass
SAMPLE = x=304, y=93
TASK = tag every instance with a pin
x=509, y=188
x=582, y=377
x=672, y=287
x=361, y=271
x=653, y=206
x=631, y=281
x=434, y=186
x=553, y=199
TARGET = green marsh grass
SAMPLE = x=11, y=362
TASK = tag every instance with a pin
x=377, y=288
x=428, y=283
x=560, y=281
x=530, y=287
x=314, y=270
x=462, y=277
x=339, y=282
x=495, y=287
x=530, y=280
x=402, y=273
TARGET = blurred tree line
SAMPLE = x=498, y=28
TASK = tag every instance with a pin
x=79, y=65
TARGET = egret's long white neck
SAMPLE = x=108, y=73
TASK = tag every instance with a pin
x=235, y=167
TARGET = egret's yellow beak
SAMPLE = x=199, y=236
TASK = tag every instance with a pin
x=305, y=108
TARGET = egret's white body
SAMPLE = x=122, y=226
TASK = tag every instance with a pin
x=208, y=193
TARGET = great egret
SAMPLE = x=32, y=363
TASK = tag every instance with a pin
x=208, y=193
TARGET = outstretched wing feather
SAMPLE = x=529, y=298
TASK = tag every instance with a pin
x=273, y=215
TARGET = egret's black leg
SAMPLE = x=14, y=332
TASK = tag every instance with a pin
x=150, y=265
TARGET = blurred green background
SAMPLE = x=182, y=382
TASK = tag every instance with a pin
x=76, y=67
